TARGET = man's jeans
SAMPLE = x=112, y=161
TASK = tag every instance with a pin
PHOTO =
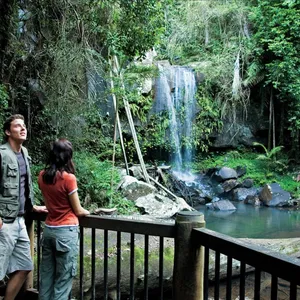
x=59, y=262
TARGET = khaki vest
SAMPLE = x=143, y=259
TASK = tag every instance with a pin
x=10, y=182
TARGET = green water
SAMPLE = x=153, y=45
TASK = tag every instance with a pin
x=254, y=222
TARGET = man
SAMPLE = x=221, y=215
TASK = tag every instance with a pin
x=16, y=197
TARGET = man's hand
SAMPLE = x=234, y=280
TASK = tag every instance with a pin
x=1, y=222
x=39, y=209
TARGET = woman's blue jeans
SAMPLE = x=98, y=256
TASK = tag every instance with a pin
x=60, y=246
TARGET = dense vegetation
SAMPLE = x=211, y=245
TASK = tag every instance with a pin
x=60, y=62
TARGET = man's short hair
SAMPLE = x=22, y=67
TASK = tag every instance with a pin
x=6, y=125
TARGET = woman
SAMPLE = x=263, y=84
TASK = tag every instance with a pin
x=60, y=238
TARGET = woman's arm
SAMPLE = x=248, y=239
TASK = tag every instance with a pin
x=77, y=208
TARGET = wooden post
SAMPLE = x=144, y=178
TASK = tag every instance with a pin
x=188, y=258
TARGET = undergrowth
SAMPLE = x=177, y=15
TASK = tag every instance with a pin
x=97, y=184
x=260, y=170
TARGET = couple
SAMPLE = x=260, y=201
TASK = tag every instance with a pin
x=60, y=238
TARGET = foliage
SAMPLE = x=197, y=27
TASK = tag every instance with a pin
x=207, y=121
x=276, y=47
x=269, y=155
x=212, y=36
x=3, y=102
x=279, y=165
x=94, y=184
x=257, y=169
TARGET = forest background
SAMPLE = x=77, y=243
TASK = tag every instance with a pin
x=50, y=51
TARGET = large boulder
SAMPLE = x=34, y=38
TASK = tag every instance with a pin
x=226, y=173
x=273, y=195
x=132, y=189
x=161, y=206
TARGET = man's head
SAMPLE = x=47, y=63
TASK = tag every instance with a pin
x=15, y=129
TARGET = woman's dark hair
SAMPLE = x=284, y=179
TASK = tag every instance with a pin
x=60, y=159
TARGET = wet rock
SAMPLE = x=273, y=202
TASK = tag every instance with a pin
x=229, y=185
x=253, y=200
x=273, y=195
x=248, y=183
x=219, y=189
x=227, y=173
x=223, y=205
x=240, y=194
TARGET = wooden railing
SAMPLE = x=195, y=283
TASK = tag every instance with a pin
x=194, y=246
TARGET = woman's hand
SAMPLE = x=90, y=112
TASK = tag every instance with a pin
x=39, y=209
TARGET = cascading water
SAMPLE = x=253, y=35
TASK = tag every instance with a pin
x=175, y=94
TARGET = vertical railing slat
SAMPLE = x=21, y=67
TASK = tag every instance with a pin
x=293, y=291
x=132, y=266
x=105, y=264
x=274, y=287
x=206, y=270
x=81, y=263
x=161, y=267
x=38, y=232
x=146, y=267
x=242, y=279
x=93, y=275
x=217, y=275
x=118, y=265
x=257, y=281
x=229, y=278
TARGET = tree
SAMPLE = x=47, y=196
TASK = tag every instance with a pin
x=276, y=47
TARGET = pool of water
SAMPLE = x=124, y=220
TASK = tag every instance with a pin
x=254, y=222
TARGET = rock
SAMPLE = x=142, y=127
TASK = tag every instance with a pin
x=229, y=185
x=265, y=194
x=248, y=183
x=132, y=189
x=241, y=171
x=223, y=205
x=227, y=173
x=219, y=189
x=161, y=206
x=254, y=200
x=240, y=194
x=136, y=172
x=273, y=195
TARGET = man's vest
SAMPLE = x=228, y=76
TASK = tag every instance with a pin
x=10, y=183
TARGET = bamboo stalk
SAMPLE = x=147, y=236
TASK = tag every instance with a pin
x=131, y=124
x=164, y=188
x=117, y=120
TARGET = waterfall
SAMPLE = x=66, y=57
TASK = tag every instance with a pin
x=175, y=93
x=236, y=84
